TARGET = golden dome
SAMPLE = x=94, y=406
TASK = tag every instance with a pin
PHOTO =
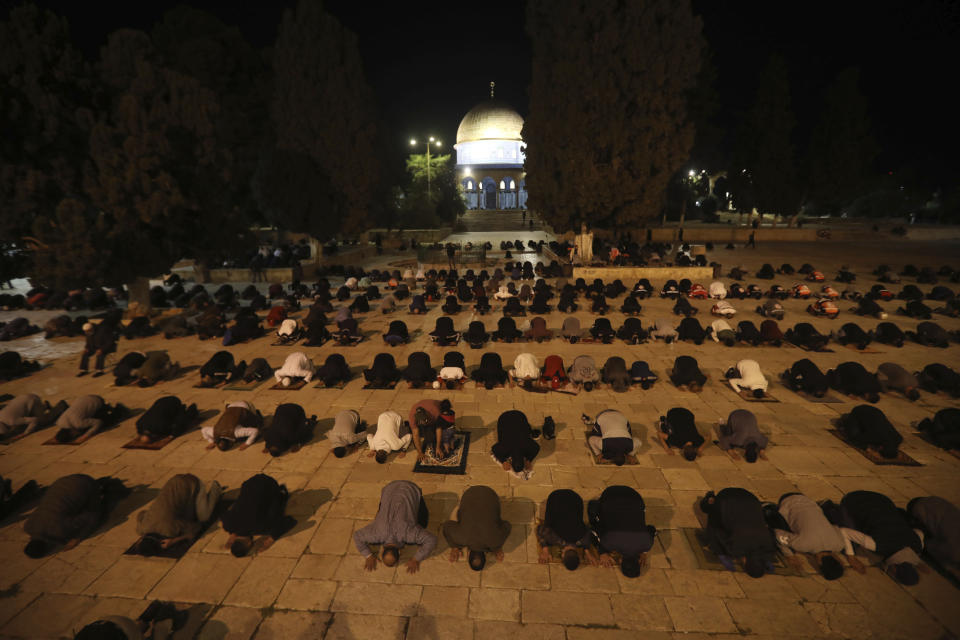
x=490, y=120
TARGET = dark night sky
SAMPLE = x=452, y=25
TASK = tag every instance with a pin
x=430, y=62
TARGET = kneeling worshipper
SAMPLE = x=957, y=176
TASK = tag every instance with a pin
x=397, y=333
x=584, y=372
x=451, y=373
x=478, y=527
x=611, y=439
x=561, y=525
x=867, y=427
x=156, y=366
x=219, y=368
x=419, y=371
x=85, y=417
x=401, y=519
x=525, y=370
x=259, y=510
x=491, y=372
x=515, y=448
x=809, y=531
x=619, y=525
x=297, y=366
x=686, y=374
x=616, y=375
x=348, y=430
x=879, y=526
x=383, y=372
x=166, y=417
x=939, y=520
x=943, y=429
x=289, y=430
x=736, y=529
x=334, y=370
x=432, y=423
x=678, y=429
x=852, y=379
x=177, y=513
x=69, y=510
x=123, y=372
x=23, y=414
x=804, y=375
x=239, y=420
x=747, y=375
x=893, y=377
x=741, y=430
x=388, y=437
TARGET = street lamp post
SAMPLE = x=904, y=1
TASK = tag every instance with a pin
x=436, y=142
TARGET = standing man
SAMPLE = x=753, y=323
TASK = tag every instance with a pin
x=401, y=519
x=478, y=527
x=100, y=341
x=451, y=256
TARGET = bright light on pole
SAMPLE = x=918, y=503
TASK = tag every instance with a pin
x=432, y=139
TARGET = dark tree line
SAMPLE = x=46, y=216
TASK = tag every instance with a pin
x=173, y=143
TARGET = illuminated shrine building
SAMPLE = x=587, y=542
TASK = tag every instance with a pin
x=490, y=157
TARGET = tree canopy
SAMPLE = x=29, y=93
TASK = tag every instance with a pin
x=608, y=123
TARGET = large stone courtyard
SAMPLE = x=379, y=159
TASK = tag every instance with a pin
x=311, y=583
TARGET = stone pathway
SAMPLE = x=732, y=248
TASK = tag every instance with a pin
x=311, y=583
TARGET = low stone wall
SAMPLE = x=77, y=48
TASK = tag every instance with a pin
x=282, y=276
x=656, y=275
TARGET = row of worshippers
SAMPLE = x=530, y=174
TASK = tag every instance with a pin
x=853, y=379
x=739, y=528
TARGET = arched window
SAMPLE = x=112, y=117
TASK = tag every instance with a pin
x=513, y=185
x=469, y=185
x=479, y=186
x=503, y=185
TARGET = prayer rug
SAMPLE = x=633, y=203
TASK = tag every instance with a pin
x=299, y=384
x=747, y=395
x=455, y=464
x=800, y=346
x=923, y=435
x=902, y=459
x=178, y=550
x=853, y=347
x=370, y=385
x=152, y=446
x=286, y=343
x=240, y=385
x=320, y=385
x=707, y=559
x=828, y=398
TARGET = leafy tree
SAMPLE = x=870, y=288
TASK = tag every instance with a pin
x=150, y=186
x=842, y=150
x=444, y=201
x=291, y=189
x=766, y=149
x=45, y=114
x=199, y=45
x=322, y=108
x=608, y=123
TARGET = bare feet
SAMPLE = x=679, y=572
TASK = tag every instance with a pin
x=544, y=557
x=454, y=554
x=498, y=554
x=211, y=446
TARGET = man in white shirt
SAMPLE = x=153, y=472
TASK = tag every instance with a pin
x=747, y=375
x=296, y=366
x=717, y=290
x=723, y=309
x=525, y=368
x=451, y=376
x=387, y=437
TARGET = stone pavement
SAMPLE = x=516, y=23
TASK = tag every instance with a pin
x=311, y=583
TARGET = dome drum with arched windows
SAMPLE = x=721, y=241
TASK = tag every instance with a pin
x=490, y=157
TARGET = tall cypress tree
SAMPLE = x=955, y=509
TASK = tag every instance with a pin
x=322, y=110
x=608, y=123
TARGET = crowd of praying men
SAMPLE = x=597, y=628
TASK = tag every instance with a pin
x=610, y=528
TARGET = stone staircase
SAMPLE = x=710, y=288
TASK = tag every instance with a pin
x=480, y=220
